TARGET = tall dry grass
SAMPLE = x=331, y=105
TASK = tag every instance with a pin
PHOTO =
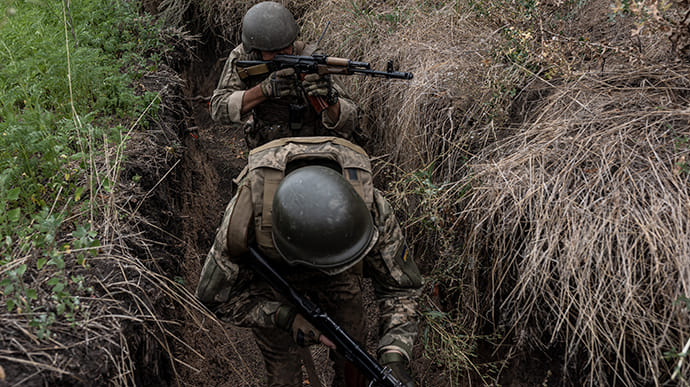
x=573, y=234
x=584, y=218
x=455, y=84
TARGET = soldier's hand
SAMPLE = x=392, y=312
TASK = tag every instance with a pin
x=398, y=365
x=279, y=84
x=320, y=86
x=302, y=332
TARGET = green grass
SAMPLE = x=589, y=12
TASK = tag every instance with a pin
x=66, y=77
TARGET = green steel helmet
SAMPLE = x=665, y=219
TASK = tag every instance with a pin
x=268, y=26
x=320, y=221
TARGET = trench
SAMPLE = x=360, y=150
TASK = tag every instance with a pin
x=212, y=155
x=208, y=352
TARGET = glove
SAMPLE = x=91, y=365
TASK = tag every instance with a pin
x=279, y=84
x=302, y=332
x=320, y=86
x=398, y=365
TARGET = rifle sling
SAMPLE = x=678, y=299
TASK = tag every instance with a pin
x=308, y=361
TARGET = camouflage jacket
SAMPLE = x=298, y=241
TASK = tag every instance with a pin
x=230, y=289
x=292, y=116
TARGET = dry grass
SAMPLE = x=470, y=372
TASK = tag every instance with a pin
x=580, y=209
x=583, y=216
x=454, y=87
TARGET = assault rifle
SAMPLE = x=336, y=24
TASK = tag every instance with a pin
x=344, y=344
x=315, y=64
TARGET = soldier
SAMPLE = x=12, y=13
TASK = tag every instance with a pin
x=309, y=206
x=276, y=105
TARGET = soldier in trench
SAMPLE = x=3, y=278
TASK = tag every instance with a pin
x=308, y=204
x=276, y=105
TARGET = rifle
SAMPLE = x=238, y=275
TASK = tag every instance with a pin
x=315, y=64
x=345, y=345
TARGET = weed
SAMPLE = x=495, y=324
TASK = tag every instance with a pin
x=53, y=67
x=452, y=348
x=683, y=354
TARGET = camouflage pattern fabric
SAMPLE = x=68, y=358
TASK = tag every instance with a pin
x=341, y=297
x=284, y=117
x=266, y=166
x=236, y=296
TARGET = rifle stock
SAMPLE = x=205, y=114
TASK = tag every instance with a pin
x=315, y=64
x=345, y=345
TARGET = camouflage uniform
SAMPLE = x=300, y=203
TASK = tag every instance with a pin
x=284, y=117
x=232, y=291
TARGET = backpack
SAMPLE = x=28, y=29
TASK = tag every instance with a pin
x=267, y=165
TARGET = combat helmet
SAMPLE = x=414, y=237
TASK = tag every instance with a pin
x=268, y=26
x=320, y=221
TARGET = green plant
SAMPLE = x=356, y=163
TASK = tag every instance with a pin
x=65, y=75
x=85, y=242
x=448, y=344
x=675, y=355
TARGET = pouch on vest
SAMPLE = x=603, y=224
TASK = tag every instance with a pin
x=240, y=222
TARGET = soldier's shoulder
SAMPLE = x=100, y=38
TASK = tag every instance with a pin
x=241, y=53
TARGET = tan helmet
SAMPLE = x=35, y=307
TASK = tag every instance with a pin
x=268, y=26
x=320, y=221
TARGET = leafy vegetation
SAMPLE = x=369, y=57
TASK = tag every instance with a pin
x=64, y=101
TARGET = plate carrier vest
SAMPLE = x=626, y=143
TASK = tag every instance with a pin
x=266, y=169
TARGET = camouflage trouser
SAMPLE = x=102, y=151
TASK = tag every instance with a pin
x=341, y=297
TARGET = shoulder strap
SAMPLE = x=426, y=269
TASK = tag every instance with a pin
x=309, y=140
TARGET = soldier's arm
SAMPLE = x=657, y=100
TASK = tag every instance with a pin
x=228, y=288
x=342, y=118
x=227, y=102
x=251, y=98
x=397, y=282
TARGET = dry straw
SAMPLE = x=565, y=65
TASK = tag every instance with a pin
x=414, y=122
x=583, y=216
x=580, y=214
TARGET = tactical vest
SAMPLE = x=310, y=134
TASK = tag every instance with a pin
x=266, y=168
